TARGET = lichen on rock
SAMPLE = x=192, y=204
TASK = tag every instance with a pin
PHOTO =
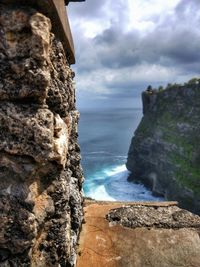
x=40, y=173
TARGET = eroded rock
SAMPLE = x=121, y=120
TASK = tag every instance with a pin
x=170, y=217
x=40, y=173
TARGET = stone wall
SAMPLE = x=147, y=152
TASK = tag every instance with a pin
x=40, y=172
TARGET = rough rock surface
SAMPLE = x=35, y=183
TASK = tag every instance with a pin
x=110, y=244
x=40, y=172
x=164, y=153
x=158, y=217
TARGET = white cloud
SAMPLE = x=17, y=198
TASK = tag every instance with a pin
x=142, y=14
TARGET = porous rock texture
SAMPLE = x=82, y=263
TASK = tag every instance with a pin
x=164, y=152
x=40, y=172
x=171, y=217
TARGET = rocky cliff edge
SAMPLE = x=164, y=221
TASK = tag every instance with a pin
x=164, y=152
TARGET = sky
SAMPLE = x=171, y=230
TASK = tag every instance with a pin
x=122, y=46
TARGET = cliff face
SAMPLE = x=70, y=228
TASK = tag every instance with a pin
x=40, y=173
x=164, y=153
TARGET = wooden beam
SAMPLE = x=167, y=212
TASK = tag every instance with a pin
x=67, y=1
x=61, y=27
x=56, y=11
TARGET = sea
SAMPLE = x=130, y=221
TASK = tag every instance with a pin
x=104, y=137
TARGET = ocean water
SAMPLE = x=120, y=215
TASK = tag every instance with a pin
x=104, y=137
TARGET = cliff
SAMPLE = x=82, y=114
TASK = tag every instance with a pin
x=164, y=152
x=40, y=172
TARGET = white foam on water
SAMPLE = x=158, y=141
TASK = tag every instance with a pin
x=111, y=184
x=116, y=170
x=100, y=194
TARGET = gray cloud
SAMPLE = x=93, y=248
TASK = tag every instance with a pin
x=91, y=9
x=186, y=8
x=116, y=63
x=171, y=42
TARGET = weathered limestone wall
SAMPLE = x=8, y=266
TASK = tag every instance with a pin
x=40, y=173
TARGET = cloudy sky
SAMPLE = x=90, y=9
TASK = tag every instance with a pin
x=122, y=46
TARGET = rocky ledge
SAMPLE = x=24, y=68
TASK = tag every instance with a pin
x=169, y=217
x=139, y=235
x=164, y=153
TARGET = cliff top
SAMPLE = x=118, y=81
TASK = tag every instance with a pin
x=170, y=86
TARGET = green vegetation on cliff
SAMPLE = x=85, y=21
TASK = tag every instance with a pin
x=164, y=152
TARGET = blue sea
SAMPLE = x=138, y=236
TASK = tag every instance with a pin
x=104, y=137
